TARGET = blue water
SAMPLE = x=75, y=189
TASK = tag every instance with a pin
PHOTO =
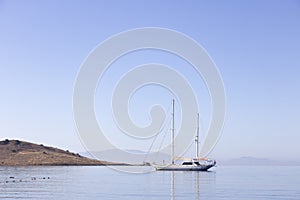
x=226, y=182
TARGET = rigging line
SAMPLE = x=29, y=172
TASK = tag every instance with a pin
x=154, y=139
x=152, y=145
x=161, y=129
x=187, y=149
x=165, y=133
x=163, y=139
x=146, y=156
x=157, y=150
x=192, y=142
x=200, y=131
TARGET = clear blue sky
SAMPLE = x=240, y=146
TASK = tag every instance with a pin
x=255, y=44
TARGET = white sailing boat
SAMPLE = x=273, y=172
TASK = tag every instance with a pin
x=187, y=164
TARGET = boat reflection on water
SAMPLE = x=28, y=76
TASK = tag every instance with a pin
x=202, y=185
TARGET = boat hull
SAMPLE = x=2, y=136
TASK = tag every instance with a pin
x=184, y=168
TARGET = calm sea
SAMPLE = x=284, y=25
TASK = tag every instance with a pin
x=224, y=182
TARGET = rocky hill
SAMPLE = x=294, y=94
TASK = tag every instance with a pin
x=20, y=153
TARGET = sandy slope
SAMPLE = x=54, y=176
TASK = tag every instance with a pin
x=20, y=153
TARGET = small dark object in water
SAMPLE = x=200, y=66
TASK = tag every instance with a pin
x=11, y=177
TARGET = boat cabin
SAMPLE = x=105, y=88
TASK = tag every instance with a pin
x=197, y=162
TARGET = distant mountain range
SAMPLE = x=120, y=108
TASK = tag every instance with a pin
x=252, y=161
x=129, y=156
x=138, y=157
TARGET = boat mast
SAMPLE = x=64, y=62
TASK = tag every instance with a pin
x=173, y=129
x=197, y=137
